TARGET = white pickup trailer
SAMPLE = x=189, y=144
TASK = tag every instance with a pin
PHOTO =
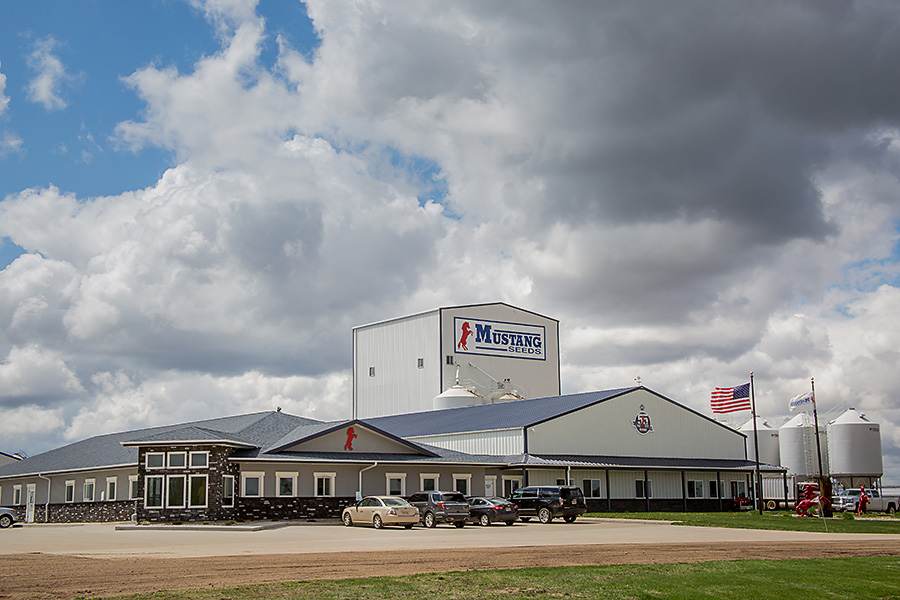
x=848, y=500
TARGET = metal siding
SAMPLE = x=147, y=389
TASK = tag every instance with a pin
x=393, y=348
x=607, y=429
x=532, y=378
x=495, y=443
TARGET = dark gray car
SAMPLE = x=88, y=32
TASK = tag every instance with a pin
x=441, y=507
x=7, y=517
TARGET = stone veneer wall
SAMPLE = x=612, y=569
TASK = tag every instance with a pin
x=80, y=512
x=259, y=509
x=217, y=467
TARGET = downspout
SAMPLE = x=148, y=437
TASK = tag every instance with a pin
x=47, y=505
x=372, y=466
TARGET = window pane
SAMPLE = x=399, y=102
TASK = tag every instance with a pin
x=323, y=486
x=154, y=491
x=462, y=486
x=70, y=492
x=198, y=459
x=133, y=485
x=396, y=488
x=251, y=486
x=428, y=484
x=155, y=461
x=110, y=490
x=228, y=491
x=176, y=492
x=176, y=460
x=286, y=486
x=88, y=491
x=198, y=491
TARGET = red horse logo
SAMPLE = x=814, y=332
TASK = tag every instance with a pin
x=466, y=332
x=350, y=435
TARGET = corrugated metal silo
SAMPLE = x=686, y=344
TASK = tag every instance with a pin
x=797, y=446
x=854, y=445
x=769, y=451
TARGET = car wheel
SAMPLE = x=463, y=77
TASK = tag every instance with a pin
x=348, y=520
x=5, y=521
x=485, y=520
x=891, y=510
x=460, y=524
x=429, y=520
x=569, y=519
x=376, y=522
x=544, y=515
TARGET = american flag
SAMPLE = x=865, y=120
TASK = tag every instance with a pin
x=733, y=399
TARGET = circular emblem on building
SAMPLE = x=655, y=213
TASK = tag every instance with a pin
x=642, y=422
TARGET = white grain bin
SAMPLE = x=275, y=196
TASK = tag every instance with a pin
x=854, y=446
x=797, y=446
x=769, y=451
x=455, y=397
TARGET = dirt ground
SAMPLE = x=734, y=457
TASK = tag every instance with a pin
x=49, y=576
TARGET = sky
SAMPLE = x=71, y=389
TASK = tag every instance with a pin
x=200, y=199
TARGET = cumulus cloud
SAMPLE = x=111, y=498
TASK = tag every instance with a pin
x=695, y=192
x=45, y=88
x=35, y=374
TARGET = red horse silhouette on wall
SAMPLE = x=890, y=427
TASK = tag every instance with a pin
x=348, y=445
x=466, y=332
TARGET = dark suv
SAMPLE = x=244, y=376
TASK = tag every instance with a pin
x=548, y=501
x=441, y=507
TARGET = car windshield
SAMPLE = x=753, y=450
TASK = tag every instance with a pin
x=850, y=493
x=395, y=502
x=497, y=500
x=454, y=497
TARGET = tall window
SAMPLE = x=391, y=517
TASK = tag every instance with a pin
x=17, y=494
x=88, y=492
x=175, y=491
x=153, y=491
x=510, y=484
x=228, y=490
x=324, y=484
x=70, y=490
x=110, y=489
x=197, y=491
x=133, y=487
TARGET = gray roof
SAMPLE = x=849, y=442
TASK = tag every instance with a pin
x=258, y=429
x=485, y=417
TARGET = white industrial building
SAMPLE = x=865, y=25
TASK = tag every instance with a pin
x=496, y=351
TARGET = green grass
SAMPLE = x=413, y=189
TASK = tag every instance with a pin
x=776, y=520
x=818, y=579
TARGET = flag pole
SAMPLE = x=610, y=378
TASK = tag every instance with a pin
x=759, y=502
x=812, y=383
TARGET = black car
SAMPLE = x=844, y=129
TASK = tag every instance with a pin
x=548, y=502
x=487, y=510
x=441, y=507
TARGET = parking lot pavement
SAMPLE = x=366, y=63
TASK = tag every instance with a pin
x=104, y=540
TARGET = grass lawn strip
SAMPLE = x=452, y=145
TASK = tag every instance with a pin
x=858, y=578
x=774, y=520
